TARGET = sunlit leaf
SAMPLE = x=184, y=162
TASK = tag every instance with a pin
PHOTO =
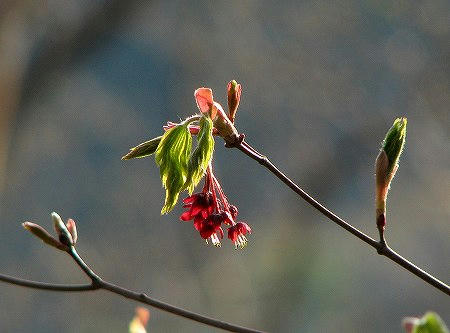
x=201, y=156
x=172, y=157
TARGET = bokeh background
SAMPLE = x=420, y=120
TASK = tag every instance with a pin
x=83, y=81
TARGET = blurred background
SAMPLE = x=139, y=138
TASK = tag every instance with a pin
x=83, y=81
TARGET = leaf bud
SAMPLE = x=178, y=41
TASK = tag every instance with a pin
x=386, y=166
x=63, y=233
x=234, y=91
x=72, y=227
x=43, y=234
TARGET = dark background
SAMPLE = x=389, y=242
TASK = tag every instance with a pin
x=83, y=81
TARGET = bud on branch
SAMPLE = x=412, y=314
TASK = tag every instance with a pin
x=386, y=166
x=67, y=233
x=63, y=233
x=43, y=234
x=207, y=105
x=234, y=91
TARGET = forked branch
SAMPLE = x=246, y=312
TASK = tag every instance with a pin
x=97, y=283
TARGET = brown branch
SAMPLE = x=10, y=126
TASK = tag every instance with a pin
x=381, y=247
x=44, y=285
x=98, y=283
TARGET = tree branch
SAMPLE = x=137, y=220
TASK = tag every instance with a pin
x=44, y=285
x=381, y=247
x=98, y=283
x=143, y=298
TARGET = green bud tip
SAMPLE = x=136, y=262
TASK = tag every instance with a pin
x=394, y=142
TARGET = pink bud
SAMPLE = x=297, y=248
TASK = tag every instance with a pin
x=222, y=124
x=72, y=227
x=204, y=99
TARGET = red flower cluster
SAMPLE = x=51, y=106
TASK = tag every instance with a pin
x=210, y=210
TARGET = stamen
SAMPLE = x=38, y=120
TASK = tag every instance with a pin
x=215, y=240
x=240, y=242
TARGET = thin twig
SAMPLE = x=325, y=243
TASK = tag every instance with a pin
x=143, y=298
x=381, y=247
x=44, y=285
x=98, y=283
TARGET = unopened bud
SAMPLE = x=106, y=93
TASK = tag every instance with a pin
x=223, y=125
x=63, y=233
x=72, y=227
x=386, y=166
x=41, y=233
x=234, y=90
x=394, y=142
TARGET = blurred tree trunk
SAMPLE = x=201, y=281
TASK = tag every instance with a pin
x=19, y=30
x=13, y=50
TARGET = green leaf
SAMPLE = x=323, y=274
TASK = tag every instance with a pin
x=200, y=158
x=431, y=323
x=394, y=142
x=144, y=149
x=172, y=156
